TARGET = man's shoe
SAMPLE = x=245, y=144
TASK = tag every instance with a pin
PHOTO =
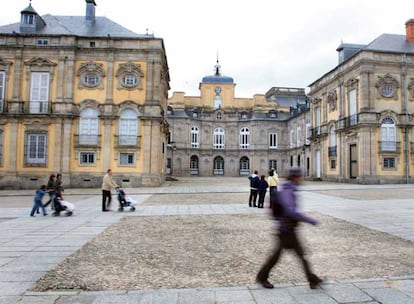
x=315, y=282
x=265, y=283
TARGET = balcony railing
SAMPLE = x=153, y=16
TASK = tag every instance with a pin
x=38, y=107
x=82, y=140
x=347, y=122
x=332, y=151
x=389, y=146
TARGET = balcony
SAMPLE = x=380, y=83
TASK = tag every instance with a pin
x=38, y=107
x=126, y=141
x=332, y=151
x=82, y=141
x=347, y=122
x=389, y=146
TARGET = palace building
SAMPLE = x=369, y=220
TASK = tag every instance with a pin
x=79, y=95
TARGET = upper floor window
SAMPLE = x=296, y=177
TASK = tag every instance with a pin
x=91, y=80
x=273, y=141
x=332, y=137
x=219, y=116
x=218, y=138
x=88, y=127
x=90, y=75
x=244, y=115
x=36, y=148
x=217, y=102
x=1, y=147
x=244, y=138
x=292, y=138
x=28, y=19
x=388, y=135
x=42, y=42
x=307, y=133
x=39, y=92
x=128, y=127
x=2, y=89
x=298, y=136
x=129, y=76
x=195, y=137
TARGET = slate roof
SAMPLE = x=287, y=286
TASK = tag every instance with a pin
x=76, y=26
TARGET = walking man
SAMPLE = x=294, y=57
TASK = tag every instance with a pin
x=289, y=218
x=107, y=185
x=254, y=188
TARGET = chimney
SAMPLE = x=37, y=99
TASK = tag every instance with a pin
x=409, y=28
x=90, y=12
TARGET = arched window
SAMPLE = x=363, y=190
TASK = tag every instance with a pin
x=388, y=135
x=244, y=166
x=218, y=165
x=218, y=138
x=244, y=138
x=195, y=137
x=194, y=164
x=128, y=127
x=88, y=127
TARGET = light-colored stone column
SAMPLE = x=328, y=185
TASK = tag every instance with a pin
x=109, y=79
x=106, y=147
x=12, y=145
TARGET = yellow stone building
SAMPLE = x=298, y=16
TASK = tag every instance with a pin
x=79, y=95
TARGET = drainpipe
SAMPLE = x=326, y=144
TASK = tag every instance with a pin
x=405, y=111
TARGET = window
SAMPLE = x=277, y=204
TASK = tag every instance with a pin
x=389, y=162
x=218, y=138
x=2, y=89
x=87, y=158
x=128, y=128
x=307, y=134
x=28, y=19
x=92, y=44
x=333, y=163
x=332, y=137
x=273, y=164
x=91, y=80
x=273, y=141
x=130, y=80
x=1, y=148
x=36, y=149
x=195, y=137
x=217, y=102
x=219, y=116
x=352, y=107
x=88, y=127
x=42, y=42
x=292, y=138
x=318, y=120
x=244, y=165
x=298, y=136
x=126, y=158
x=218, y=166
x=388, y=135
x=194, y=164
x=243, y=115
x=244, y=138
x=39, y=92
x=387, y=90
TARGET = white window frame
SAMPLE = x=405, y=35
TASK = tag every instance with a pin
x=2, y=89
x=195, y=137
x=352, y=95
x=244, y=164
x=126, y=159
x=389, y=163
x=298, y=136
x=272, y=140
x=388, y=135
x=128, y=128
x=218, y=138
x=130, y=80
x=244, y=138
x=88, y=127
x=88, y=161
x=292, y=138
x=1, y=147
x=194, y=162
x=307, y=133
x=36, y=148
x=39, y=92
x=332, y=137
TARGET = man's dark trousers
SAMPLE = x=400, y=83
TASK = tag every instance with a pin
x=253, y=197
x=106, y=195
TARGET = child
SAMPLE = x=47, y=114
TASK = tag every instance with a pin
x=38, y=200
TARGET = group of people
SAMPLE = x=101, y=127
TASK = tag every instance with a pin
x=288, y=217
x=258, y=187
x=54, y=188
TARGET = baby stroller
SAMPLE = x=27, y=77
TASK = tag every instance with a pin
x=60, y=205
x=125, y=201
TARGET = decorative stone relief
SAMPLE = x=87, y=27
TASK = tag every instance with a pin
x=332, y=100
x=90, y=75
x=387, y=87
x=4, y=64
x=129, y=76
x=39, y=64
x=351, y=83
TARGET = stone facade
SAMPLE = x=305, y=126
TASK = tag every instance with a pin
x=79, y=96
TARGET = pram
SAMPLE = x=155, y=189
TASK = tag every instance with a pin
x=125, y=201
x=60, y=205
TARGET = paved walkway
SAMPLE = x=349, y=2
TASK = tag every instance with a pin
x=32, y=246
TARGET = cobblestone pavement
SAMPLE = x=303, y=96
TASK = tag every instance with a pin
x=30, y=247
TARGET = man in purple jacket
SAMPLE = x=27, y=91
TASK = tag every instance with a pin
x=288, y=221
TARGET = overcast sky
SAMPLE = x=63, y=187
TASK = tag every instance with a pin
x=261, y=43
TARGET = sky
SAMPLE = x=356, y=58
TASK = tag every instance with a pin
x=261, y=43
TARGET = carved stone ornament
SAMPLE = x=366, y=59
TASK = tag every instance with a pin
x=411, y=89
x=332, y=100
x=316, y=100
x=129, y=76
x=387, y=87
x=40, y=62
x=4, y=64
x=352, y=82
x=90, y=75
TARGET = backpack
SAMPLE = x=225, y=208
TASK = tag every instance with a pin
x=276, y=204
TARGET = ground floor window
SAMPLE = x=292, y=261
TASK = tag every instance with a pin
x=333, y=163
x=244, y=166
x=36, y=149
x=126, y=158
x=87, y=158
x=194, y=164
x=218, y=166
x=389, y=162
x=273, y=164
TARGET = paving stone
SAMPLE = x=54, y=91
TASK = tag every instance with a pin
x=118, y=299
x=233, y=296
x=345, y=293
x=9, y=299
x=389, y=296
x=38, y=300
x=20, y=276
x=272, y=296
x=159, y=297
x=317, y=298
x=374, y=284
x=406, y=286
x=14, y=288
x=199, y=296
x=75, y=300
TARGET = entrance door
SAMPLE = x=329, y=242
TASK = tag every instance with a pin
x=318, y=163
x=353, y=161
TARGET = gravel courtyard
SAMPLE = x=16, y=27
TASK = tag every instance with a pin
x=222, y=250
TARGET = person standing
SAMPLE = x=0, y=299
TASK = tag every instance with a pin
x=287, y=236
x=254, y=186
x=107, y=185
x=58, y=185
x=273, y=181
x=38, y=200
x=263, y=185
x=50, y=186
